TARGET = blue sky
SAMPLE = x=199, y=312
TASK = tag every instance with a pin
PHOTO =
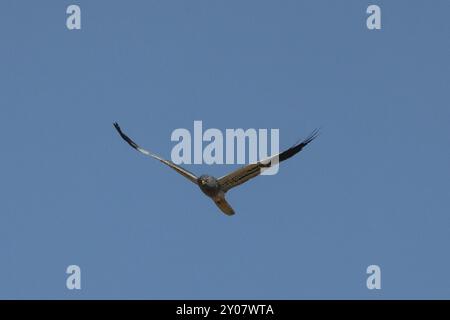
x=373, y=189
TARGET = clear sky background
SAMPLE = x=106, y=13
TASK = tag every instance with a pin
x=373, y=189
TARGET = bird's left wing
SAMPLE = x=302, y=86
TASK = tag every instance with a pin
x=244, y=174
x=177, y=168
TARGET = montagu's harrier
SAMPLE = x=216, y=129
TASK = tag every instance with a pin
x=216, y=188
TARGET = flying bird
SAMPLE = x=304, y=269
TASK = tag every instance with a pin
x=217, y=188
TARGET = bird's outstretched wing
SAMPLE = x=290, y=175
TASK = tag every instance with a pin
x=177, y=168
x=244, y=174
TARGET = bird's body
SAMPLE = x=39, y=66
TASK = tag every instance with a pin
x=217, y=188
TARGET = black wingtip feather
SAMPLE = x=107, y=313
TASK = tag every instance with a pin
x=311, y=137
x=296, y=148
x=125, y=137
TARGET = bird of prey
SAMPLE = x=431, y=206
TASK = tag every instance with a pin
x=217, y=188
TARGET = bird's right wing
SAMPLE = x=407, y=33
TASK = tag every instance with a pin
x=250, y=171
x=177, y=168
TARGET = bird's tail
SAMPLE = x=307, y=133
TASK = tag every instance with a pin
x=224, y=205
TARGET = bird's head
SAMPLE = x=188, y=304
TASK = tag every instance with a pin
x=208, y=184
x=203, y=180
x=207, y=181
